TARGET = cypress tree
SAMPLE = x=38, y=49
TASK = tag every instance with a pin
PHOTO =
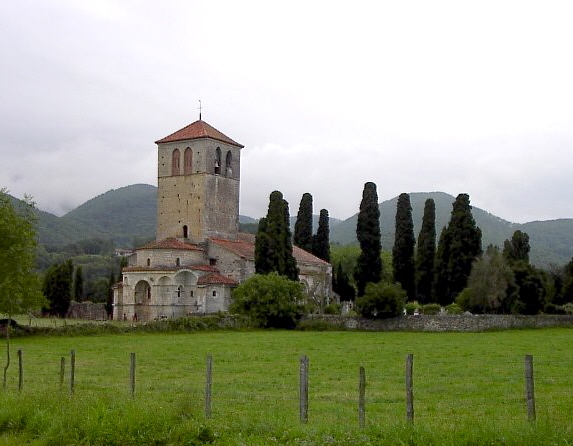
x=459, y=246
x=321, y=241
x=426, y=253
x=78, y=284
x=369, y=263
x=403, y=250
x=303, y=224
x=273, y=243
x=342, y=286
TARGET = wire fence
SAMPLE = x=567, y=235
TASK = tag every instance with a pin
x=416, y=390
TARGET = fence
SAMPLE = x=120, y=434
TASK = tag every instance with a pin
x=305, y=400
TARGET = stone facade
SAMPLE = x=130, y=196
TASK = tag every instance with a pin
x=199, y=256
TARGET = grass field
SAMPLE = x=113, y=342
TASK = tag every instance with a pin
x=468, y=389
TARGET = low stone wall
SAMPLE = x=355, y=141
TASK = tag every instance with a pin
x=446, y=322
x=87, y=310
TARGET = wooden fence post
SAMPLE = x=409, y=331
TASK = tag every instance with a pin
x=208, y=383
x=361, y=397
x=72, y=371
x=132, y=374
x=303, y=389
x=409, y=388
x=529, y=388
x=20, y=371
x=62, y=371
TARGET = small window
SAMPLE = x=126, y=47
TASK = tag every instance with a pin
x=185, y=231
x=214, y=293
x=191, y=293
x=218, y=161
x=228, y=164
x=178, y=261
x=179, y=288
x=212, y=261
x=148, y=262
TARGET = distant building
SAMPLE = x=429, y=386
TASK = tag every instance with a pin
x=199, y=255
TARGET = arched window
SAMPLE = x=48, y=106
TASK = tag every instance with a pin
x=148, y=262
x=177, y=261
x=228, y=164
x=218, y=161
x=185, y=231
x=179, y=289
x=175, y=162
x=188, y=161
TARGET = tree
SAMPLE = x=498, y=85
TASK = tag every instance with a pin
x=369, y=264
x=342, y=286
x=273, y=244
x=269, y=300
x=57, y=287
x=303, y=225
x=532, y=289
x=19, y=285
x=426, y=253
x=403, y=250
x=381, y=300
x=78, y=284
x=517, y=249
x=457, y=250
x=321, y=241
x=492, y=284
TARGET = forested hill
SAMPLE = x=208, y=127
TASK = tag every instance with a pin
x=128, y=216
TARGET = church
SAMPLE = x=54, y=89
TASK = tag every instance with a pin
x=199, y=254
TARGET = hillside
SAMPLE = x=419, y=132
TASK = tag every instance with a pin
x=128, y=216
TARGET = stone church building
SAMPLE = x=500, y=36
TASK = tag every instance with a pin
x=199, y=255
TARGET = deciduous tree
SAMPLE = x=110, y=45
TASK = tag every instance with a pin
x=517, y=249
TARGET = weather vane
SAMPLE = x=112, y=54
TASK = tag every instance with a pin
x=199, y=109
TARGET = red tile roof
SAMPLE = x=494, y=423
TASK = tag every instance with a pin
x=244, y=247
x=196, y=130
x=215, y=279
x=172, y=243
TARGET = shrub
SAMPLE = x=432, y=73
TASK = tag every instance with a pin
x=454, y=309
x=411, y=307
x=431, y=309
x=568, y=308
x=332, y=309
x=269, y=300
x=381, y=300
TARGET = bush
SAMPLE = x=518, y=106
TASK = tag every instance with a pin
x=431, y=309
x=381, y=300
x=454, y=309
x=332, y=309
x=568, y=308
x=269, y=300
x=411, y=307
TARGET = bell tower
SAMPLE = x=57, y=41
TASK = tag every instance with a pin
x=198, y=180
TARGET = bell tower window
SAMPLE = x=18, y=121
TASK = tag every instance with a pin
x=185, y=231
x=175, y=162
x=228, y=164
x=218, y=161
x=187, y=161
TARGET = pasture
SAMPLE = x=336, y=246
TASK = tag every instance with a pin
x=468, y=389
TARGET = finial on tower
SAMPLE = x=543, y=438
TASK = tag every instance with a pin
x=199, y=109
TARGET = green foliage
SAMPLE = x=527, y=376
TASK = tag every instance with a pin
x=303, y=225
x=517, y=249
x=459, y=246
x=78, y=284
x=273, y=244
x=431, y=309
x=411, y=307
x=321, y=240
x=332, y=309
x=426, y=253
x=369, y=264
x=403, y=250
x=57, y=287
x=453, y=309
x=270, y=300
x=381, y=300
x=531, y=286
x=492, y=283
x=342, y=286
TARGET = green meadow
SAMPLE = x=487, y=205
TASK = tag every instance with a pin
x=468, y=389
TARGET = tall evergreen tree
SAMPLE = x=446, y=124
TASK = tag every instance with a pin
x=273, y=245
x=321, y=241
x=426, y=253
x=461, y=246
x=342, y=286
x=57, y=287
x=369, y=263
x=440, y=287
x=78, y=284
x=303, y=225
x=517, y=249
x=403, y=250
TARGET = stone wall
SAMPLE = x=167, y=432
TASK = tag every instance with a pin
x=444, y=322
x=87, y=310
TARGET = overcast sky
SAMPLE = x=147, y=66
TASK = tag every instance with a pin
x=473, y=97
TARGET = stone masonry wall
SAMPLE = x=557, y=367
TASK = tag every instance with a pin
x=443, y=323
